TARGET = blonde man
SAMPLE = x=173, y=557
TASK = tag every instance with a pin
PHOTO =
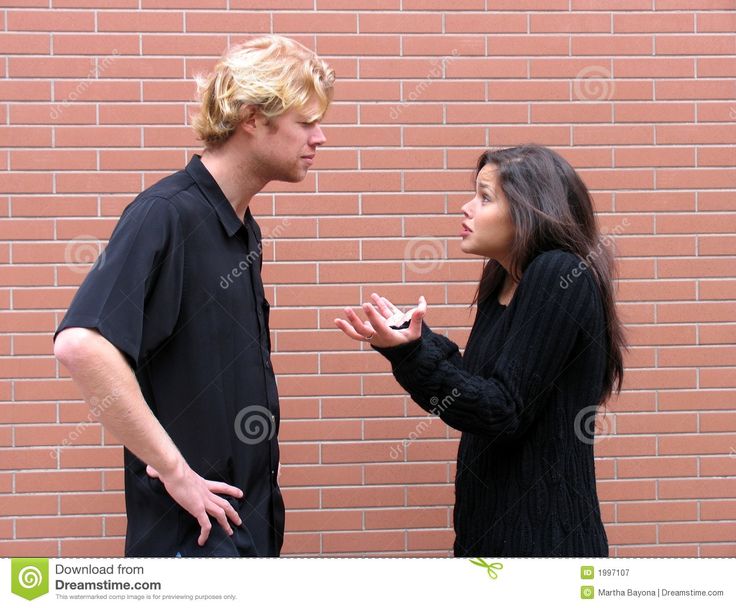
x=167, y=337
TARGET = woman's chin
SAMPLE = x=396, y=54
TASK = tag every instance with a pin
x=466, y=247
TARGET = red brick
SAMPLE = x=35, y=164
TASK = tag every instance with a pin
x=97, y=547
x=51, y=527
x=600, y=81
x=29, y=504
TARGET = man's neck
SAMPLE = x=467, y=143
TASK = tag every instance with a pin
x=238, y=182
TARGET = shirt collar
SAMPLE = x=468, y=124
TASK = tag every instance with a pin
x=212, y=191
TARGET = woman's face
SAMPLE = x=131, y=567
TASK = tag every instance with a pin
x=488, y=228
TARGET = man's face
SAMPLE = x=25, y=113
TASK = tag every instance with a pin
x=286, y=146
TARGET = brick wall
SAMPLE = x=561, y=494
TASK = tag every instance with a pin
x=638, y=94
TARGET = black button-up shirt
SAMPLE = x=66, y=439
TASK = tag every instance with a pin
x=178, y=290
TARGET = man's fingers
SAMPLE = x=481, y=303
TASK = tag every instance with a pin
x=219, y=514
x=220, y=487
x=230, y=512
x=206, y=526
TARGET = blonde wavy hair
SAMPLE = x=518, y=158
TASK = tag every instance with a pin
x=273, y=73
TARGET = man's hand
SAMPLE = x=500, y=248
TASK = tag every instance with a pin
x=196, y=495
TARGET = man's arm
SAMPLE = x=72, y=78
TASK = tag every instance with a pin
x=99, y=369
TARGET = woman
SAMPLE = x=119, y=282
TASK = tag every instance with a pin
x=544, y=351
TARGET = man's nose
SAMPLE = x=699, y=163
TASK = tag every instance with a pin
x=318, y=137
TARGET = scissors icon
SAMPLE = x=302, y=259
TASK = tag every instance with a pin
x=490, y=568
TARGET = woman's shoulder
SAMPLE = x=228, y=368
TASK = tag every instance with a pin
x=559, y=268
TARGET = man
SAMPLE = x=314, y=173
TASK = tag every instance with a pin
x=180, y=357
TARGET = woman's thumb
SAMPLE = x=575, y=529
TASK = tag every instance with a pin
x=415, y=325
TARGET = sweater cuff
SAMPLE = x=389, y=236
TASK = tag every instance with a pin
x=403, y=352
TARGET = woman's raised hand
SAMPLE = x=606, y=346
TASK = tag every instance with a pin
x=377, y=329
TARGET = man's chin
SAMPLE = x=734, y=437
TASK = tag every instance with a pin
x=292, y=179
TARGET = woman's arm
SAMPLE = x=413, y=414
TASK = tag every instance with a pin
x=548, y=319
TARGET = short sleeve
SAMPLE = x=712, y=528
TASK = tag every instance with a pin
x=132, y=294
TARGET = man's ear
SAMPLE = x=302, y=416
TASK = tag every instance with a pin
x=250, y=115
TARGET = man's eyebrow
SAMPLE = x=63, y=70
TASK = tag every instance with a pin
x=311, y=117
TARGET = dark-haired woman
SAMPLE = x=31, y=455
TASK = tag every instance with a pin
x=545, y=351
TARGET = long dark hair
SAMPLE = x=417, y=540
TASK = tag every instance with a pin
x=551, y=208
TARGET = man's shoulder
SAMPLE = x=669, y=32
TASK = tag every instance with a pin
x=174, y=195
x=172, y=187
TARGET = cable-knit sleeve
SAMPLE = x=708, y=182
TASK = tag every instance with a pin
x=551, y=305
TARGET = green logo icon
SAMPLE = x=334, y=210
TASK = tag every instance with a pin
x=490, y=568
x=587, y=592
x=29, y=577
x=587, y=571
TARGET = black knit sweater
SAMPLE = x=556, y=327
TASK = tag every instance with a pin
x=523, y=395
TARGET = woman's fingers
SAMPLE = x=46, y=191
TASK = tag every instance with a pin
x=383, y=317
x=376, y=320
x=417, y=315
x=362, y=328
x=384, y=306
x=348, y=330
x=354, y=327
